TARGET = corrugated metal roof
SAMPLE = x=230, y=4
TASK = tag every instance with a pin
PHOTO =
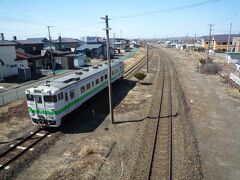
x=89, y=46
x=7, y=43
x=28, y=42
x=66, y=40
x=41, y=39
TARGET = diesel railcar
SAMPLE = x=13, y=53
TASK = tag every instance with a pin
x=50, y=102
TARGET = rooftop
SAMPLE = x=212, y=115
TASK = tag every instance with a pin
x=89, y=46
x=66, y=40
x=221, y=37
x=7, y=43
x=28, y=42
x=41, y=39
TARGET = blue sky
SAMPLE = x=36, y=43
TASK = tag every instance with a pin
x=130, y=19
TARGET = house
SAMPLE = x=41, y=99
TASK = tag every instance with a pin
x=30, y=46
x=41, y=39
x=134, y=43
x=57, y=57
x=35, y=62
x=93, y=40
x=9, y=63
x=95, y=50
x=120, y=44
x=73, y=61
x=91, y=50
x=31, y=51
x=8, y=66
x=219, y=43
x=65, y=44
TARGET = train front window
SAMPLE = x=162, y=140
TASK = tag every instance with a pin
x=50, y=98
x=30, y=97
x=38, y=99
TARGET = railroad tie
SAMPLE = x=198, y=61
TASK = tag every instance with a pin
x=6, y=167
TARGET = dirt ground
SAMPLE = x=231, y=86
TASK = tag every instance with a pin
x=14, y=121
x=87, y=148
x=81, y=152
x=214, y=112
x=92, y=148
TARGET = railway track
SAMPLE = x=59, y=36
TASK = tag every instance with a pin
x=129, y=72
x=160, y=166
x=18, y=149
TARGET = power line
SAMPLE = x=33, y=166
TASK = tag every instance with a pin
x=165, y=10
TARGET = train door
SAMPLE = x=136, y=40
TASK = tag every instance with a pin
x=72, y=98
x=66, y=99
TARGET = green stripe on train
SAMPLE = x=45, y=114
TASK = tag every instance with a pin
x=86, y=94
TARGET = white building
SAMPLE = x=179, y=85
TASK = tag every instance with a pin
x=8, y=64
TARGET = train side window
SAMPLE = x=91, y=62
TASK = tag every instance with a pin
x=112, y=72
x=97, y=81
x=50, y=98
x=82, y=89
x=101, y=78
x=30, y=97
x=92, y=83
x=88, y=86
x=66, y=96
x=61, y=95
x=71, y=94
x=105, y=76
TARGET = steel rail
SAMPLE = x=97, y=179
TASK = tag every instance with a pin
x=12, y=159
x=165, y=67
x=136, y=66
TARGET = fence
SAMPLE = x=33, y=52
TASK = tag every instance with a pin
x=15, y=94
x=132, y=53
x=19, y=92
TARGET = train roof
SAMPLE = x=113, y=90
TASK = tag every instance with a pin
x=65, y=81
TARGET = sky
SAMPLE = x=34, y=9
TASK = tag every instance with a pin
x=128, y=19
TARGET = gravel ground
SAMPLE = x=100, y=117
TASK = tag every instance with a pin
x=14, y=122
x=80, y=153
x=91, y=147
x=213, y=114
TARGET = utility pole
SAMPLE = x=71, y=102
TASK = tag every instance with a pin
x=114, y=36
x=109, y=70
x=195, y=37
x=147, y=56
x=229, y=36
x=209, y=42
x=50, y=45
